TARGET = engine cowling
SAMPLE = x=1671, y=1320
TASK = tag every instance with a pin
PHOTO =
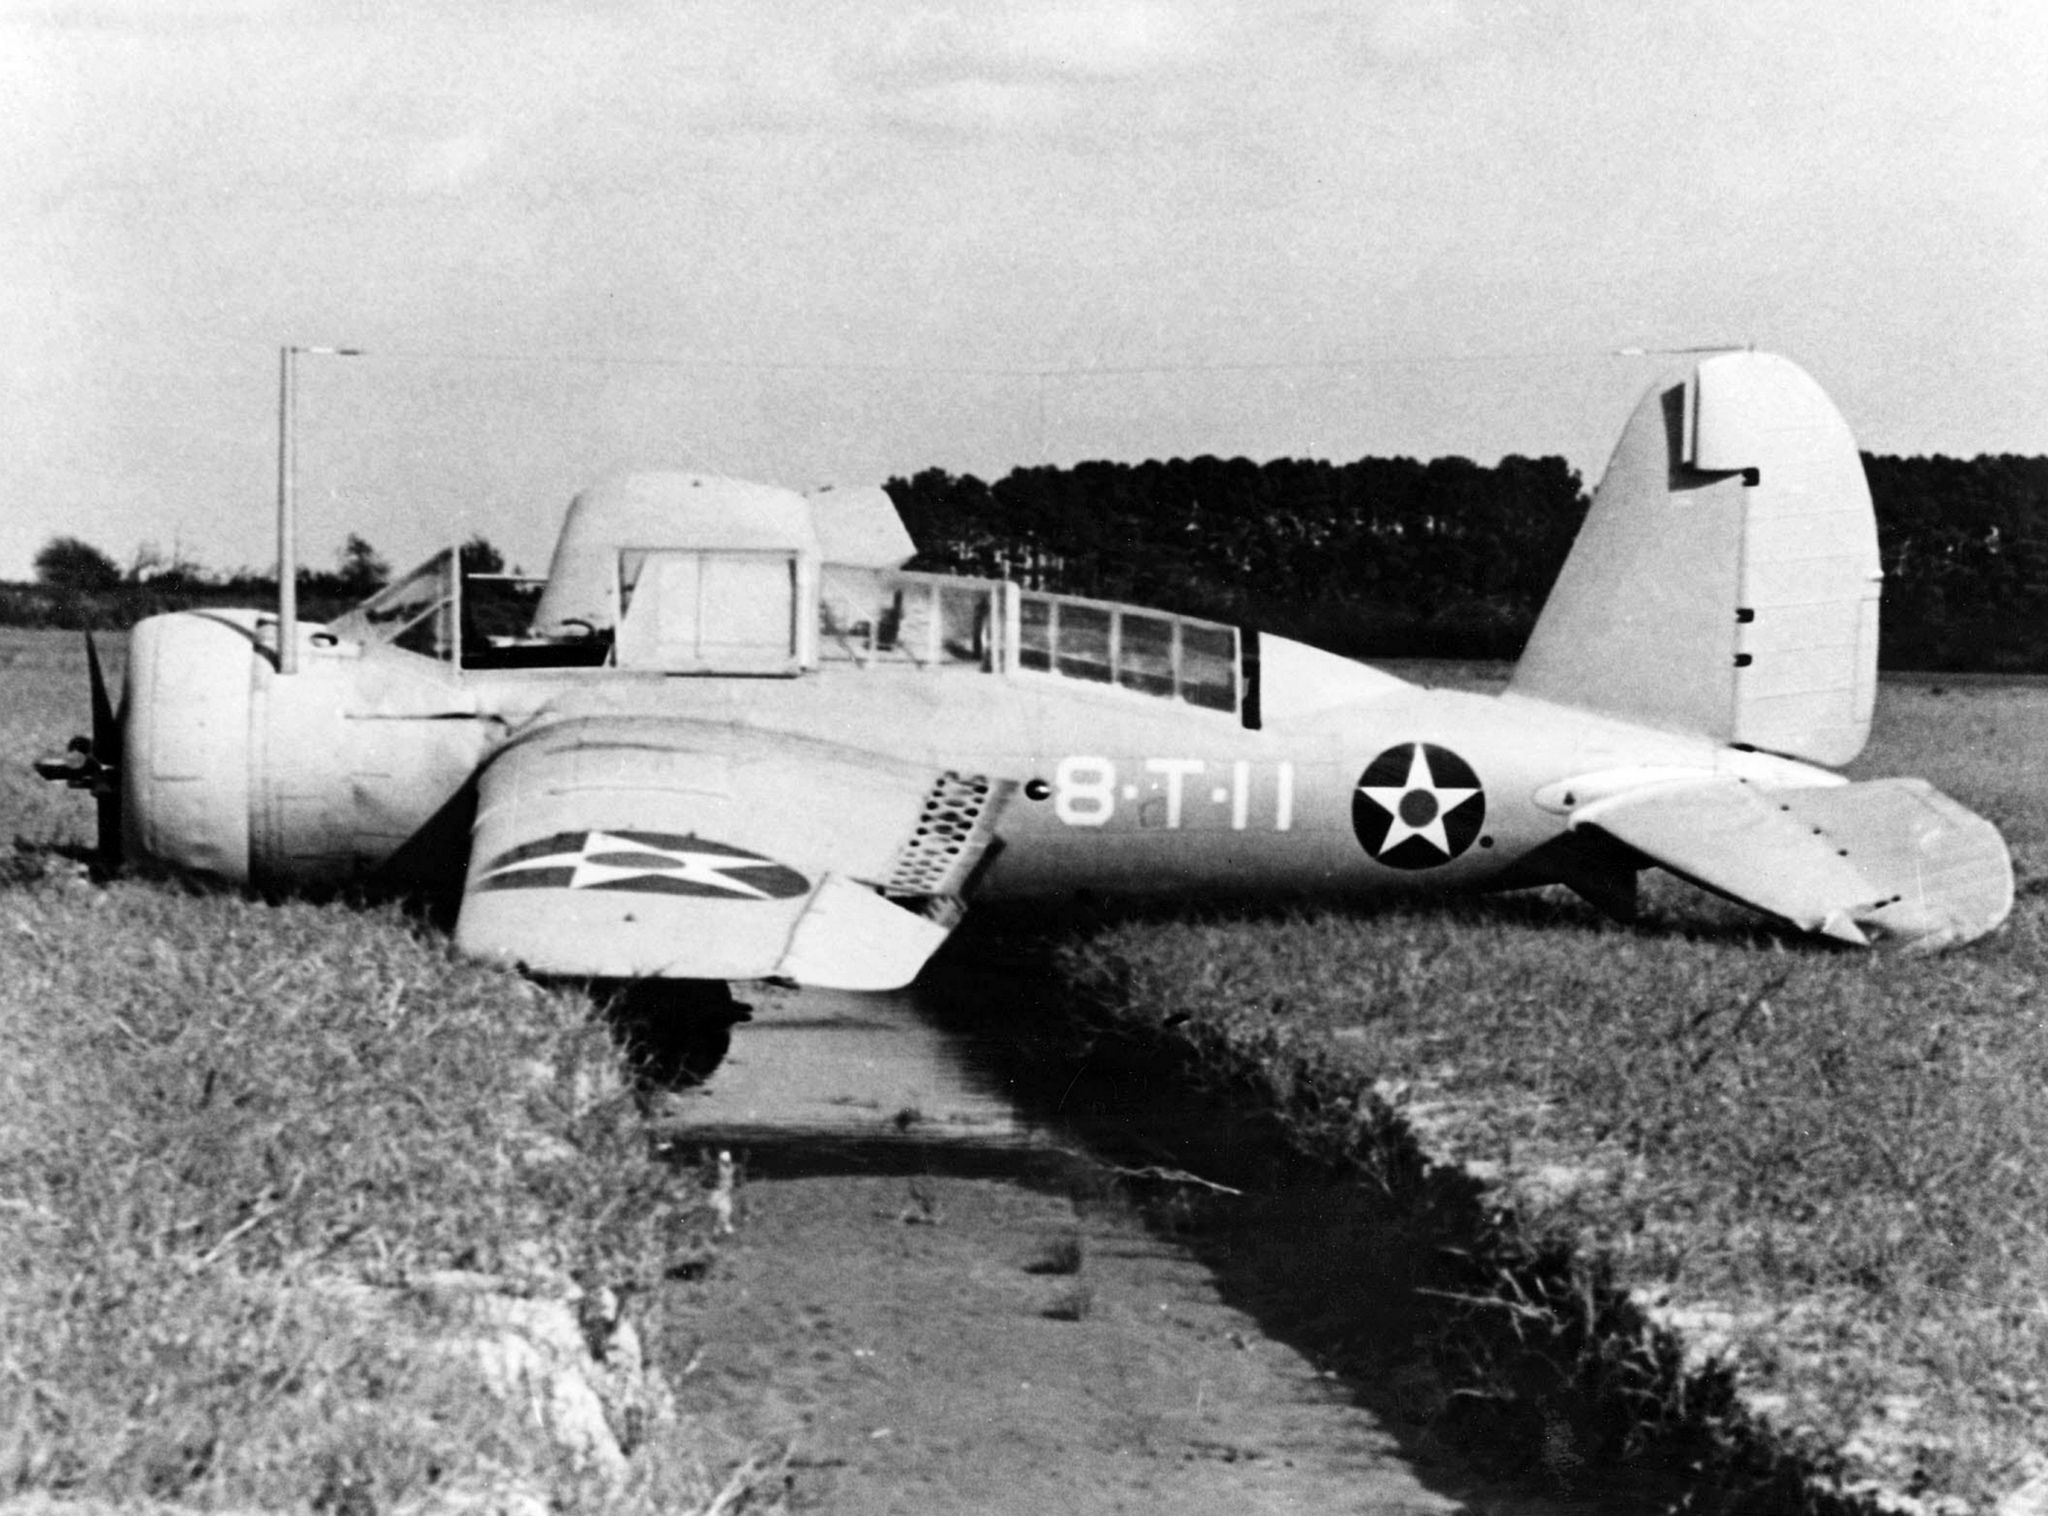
x=311, y=780
x=185, y=770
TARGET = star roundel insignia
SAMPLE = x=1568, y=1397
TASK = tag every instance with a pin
x=648, y=863
x=1417, y=805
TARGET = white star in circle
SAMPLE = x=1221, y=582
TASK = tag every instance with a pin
x=710, y=869
x=1395, y=801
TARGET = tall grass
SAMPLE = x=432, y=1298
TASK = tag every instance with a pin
x=221, y=1123
x=245, y=1148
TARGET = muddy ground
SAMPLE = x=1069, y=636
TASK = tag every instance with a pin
x=960, y=1283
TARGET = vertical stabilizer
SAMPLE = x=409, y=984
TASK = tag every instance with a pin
x=1726, y=579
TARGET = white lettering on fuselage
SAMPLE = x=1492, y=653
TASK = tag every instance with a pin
x=1175, y=770
x=1085, y=792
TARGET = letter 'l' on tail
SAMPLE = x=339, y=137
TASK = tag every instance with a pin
x=1726, y=579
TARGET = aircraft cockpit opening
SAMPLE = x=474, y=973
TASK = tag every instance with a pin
x=473, y=621
x=938, y=621
x=924, y=620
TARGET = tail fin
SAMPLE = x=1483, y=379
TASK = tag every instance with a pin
x=1726, y=579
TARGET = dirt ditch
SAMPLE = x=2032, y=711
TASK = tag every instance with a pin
x=1070, y=1274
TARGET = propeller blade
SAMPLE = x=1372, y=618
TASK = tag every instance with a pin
x=106, y=752
x=106, y=728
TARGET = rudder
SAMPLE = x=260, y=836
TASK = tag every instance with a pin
x=1726, y=580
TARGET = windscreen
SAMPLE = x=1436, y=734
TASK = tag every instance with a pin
x=418, y=613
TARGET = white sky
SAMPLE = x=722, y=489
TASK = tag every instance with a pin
x=828, y=242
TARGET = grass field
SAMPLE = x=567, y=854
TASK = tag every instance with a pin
x=1824, y=1168
x=1827, y=1170
x=286, y=1191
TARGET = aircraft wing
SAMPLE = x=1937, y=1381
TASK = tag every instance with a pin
x=623, y=848
x=1894, y=857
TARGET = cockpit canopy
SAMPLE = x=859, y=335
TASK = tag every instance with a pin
x=686, y=574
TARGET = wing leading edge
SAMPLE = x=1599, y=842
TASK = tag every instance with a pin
x=1893, y=857
x=649, y=849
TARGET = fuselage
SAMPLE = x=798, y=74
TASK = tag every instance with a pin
x=1327, y=776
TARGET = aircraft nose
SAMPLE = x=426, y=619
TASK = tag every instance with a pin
x=185, y=752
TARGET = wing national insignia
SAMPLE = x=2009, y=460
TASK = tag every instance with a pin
x=1417, y=805
x=650, y=863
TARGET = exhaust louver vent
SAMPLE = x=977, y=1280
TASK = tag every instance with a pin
x=951, y=835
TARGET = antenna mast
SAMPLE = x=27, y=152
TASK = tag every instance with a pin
x=287, y=501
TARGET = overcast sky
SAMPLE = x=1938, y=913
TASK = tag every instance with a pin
x=830, y=242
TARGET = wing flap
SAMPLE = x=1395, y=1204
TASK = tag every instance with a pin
x=1893, y=856
x=617, y=848
x=851, y=938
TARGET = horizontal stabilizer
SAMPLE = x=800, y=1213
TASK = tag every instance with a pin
x=1891, y=857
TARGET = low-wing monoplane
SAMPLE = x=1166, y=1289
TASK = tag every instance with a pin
x=736, y=739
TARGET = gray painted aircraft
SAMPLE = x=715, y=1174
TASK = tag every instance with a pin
x=737, y=740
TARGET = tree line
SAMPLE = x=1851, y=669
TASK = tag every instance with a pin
x=1378, y=557
x=1965, y=549
x=1393, y=557
x=78, y=586
x=1381, y=556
